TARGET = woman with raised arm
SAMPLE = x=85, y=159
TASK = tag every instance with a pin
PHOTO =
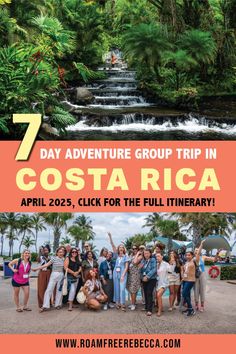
x=133, y=281
x=189, y=278
x=120, y=277
x=200, y=283
x=148, y=271
x=114, y=248
x=72, y=265
x=56, y=279
x=21, y=268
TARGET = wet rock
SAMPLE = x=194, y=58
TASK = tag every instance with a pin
x=83, y=96
x=48, y=131
x=68, y=106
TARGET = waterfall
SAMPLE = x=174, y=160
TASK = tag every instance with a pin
x=120, y=112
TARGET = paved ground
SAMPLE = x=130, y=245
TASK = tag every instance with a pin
x=220, y=316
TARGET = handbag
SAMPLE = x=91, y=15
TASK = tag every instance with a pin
x=65, y=285
x=81, y=298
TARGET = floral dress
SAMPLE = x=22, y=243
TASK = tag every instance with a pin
x=133, y=281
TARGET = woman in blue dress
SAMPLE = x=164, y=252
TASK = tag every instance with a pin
x=120, y=277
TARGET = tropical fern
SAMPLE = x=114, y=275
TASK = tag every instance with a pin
x=61, y=39
x=60, y=119
x=88, y=74
x=200, y=45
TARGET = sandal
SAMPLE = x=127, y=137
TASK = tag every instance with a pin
x=149, y=313
x=123, y=308
x=58, y=307
x=27, y=309
x=19, y=310
x=158, y=314
x=70, y=309
x=42, y=309
x=118, y=306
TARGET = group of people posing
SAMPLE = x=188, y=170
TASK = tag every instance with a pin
x=104, y=281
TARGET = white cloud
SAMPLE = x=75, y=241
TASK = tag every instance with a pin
x=121, y=226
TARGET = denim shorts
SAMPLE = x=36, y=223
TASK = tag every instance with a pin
x=17, y=285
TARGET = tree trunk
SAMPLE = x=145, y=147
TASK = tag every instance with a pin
x=22, y=240
x=2, y=241
x=10, y=248
x=56, y=240
x=82, y=245
x=196, y=236
x=36, y=240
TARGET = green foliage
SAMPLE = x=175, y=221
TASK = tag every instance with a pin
x=137, y=240
x=54, y=36
x=177, y=47
x=3, y=2
x=87, y=74
x=145, y=44
x=228, y=273
x=16, y=255
x=199, y=45
x=87, y=20
x=61, y=119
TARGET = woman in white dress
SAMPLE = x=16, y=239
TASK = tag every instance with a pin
x=162, y=281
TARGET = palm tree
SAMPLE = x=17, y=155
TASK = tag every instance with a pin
x=199, y=45
x=58, y=222
x=164, y=227
x=152, y=221
x=204, y=224
x=144, y=44
x=25, y=227
x=37, y=223
x=65, y=240
x=3, y=229
x=169, y=229
x=137, y=240
x=181, y=61
x=84, y=230
x=77, y=233
x=28, y=242
x=12, y=222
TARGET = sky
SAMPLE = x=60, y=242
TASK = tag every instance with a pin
x=121, y=226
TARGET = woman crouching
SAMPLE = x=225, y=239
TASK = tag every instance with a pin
x=95, y=296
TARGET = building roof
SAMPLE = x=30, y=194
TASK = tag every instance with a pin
x=211, y=242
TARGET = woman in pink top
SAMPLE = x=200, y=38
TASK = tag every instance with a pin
x=21, y=268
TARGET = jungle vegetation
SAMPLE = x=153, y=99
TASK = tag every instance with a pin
x=181, y=49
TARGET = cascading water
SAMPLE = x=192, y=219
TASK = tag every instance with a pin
x=120, y=112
